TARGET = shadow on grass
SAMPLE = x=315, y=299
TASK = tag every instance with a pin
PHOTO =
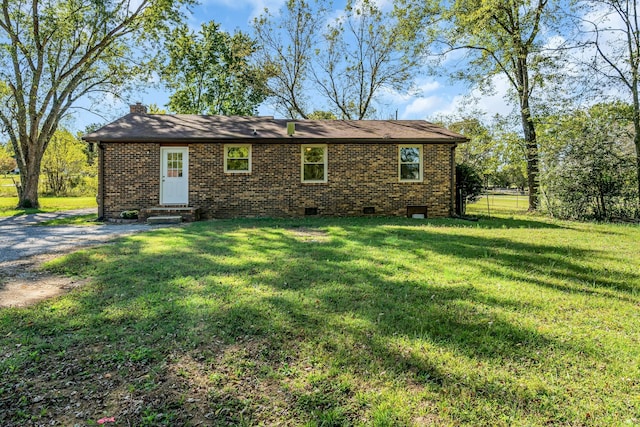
x=258, y=325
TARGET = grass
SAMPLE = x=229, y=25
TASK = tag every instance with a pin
x=499, y=204
x=517, y=320
x=47, y=204
x=87, y=220
x=7, y=186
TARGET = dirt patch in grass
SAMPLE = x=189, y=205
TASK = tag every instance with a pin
x=22, y=283
x=310, y=235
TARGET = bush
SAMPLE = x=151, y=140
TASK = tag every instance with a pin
x=593, y=175
x=468, y=187
x=132, y=214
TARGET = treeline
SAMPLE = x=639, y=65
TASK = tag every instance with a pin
x=69, y=166
x=587, y=160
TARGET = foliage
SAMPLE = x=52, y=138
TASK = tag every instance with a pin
x=510, y=175
x=65, y=166
x=468, y=186
x=133, y=214
x=154, y=109
x=322, y=115
x=481, y=152
x=494, y=151
x=346, y=62
x=55, y=52
x=211, y=72
x=512, y=171
x=7, y=162
x=337, y=321
x=592, y=174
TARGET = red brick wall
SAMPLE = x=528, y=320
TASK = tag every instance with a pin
x=359, y=175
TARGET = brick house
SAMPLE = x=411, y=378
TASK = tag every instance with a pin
x=220, y=167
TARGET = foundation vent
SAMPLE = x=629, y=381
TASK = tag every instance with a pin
x=416, y=211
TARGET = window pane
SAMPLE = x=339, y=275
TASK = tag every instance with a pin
x=238, y=152
x=314, y=172
x=410, y=155
x=410, y=171
x=314, y=155
x=238, y=164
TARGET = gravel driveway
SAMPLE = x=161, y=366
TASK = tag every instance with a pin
x=19, y=238
x=24, y=246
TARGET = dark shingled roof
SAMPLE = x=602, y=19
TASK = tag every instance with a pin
x=137, y=127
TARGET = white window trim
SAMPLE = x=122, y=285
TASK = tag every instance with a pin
x=302, y=163
x=226, y=147
x=421, y=161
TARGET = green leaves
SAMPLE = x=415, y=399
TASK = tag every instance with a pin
x=591, y=163
x=212, y=72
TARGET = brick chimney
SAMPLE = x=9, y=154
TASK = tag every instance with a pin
x=138, y=108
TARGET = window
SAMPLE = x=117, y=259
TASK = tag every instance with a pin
x=174, y=165
x=237, y=158
x=314, y=163
x=410, y=163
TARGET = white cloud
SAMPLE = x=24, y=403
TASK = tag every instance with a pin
x=422, y=107
x=490, y=104
x=422, y=87
x=429, y=86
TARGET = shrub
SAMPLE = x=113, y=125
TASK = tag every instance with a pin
x=468, y=187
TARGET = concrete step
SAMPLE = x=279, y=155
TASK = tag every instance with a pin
x=164, y=219
x=188, y=214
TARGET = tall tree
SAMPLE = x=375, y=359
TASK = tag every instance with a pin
x=364, y=51
x=342, y=64
x=54, y=52
x=287, y=48
x=211, y=72
x=615, y=27
x=503, y=37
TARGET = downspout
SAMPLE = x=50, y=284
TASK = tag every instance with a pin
x=452, y=168
x=100, y=196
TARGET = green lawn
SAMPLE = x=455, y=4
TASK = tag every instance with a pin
x=499, y=204
x=512, y=321
x=7, y=187
x=47, y=204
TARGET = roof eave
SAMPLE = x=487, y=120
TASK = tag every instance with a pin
x=279, y=140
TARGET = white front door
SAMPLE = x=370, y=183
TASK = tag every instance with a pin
x=174, y=178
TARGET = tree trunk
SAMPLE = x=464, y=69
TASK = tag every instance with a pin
x=29, y=180
x=531, y=144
